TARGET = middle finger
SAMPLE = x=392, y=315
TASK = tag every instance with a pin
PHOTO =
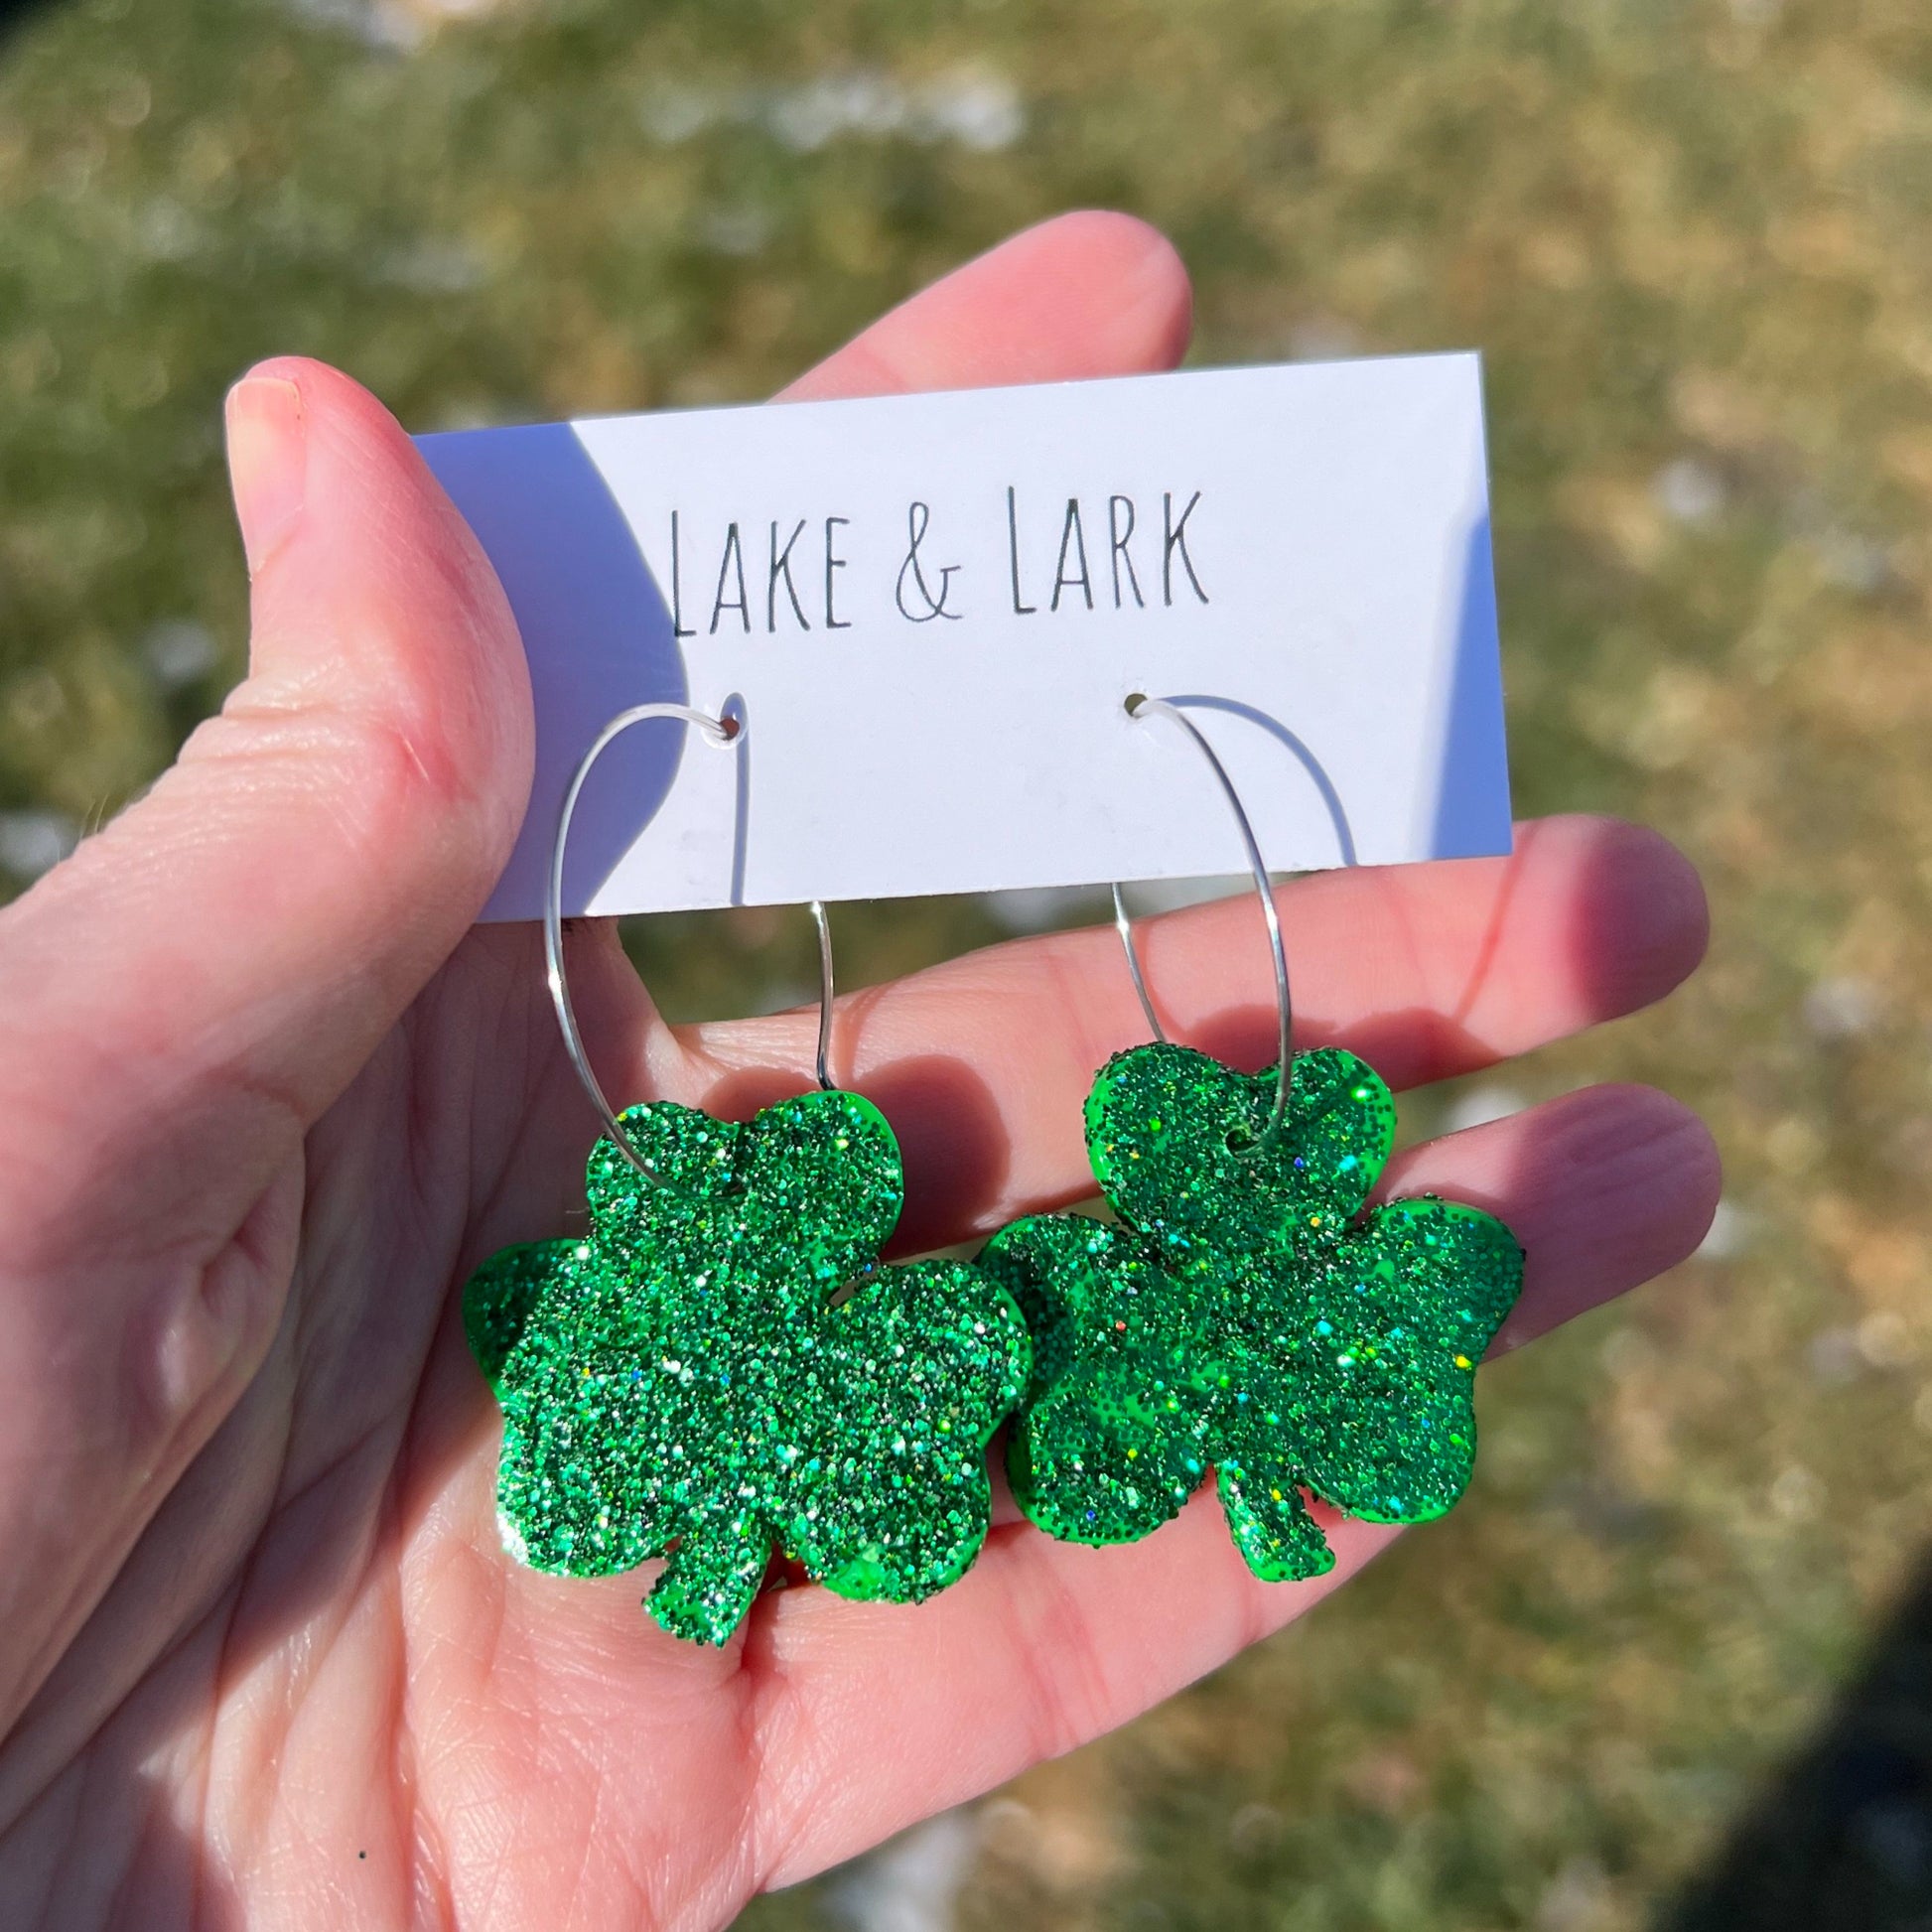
x=982, y=1064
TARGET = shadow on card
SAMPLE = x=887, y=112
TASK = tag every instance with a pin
x=1471, y=817
x=1472, y=813
x=574, y=575
x=1280, y=732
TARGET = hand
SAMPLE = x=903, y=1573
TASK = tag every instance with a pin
x=268, y=1099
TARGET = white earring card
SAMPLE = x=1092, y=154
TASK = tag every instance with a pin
x=927, y=613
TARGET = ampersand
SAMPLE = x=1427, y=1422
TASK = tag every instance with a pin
x=917, y=517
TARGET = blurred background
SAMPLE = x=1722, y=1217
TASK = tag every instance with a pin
x=1670, y=1665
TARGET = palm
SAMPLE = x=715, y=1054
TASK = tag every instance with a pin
x=268, y=1660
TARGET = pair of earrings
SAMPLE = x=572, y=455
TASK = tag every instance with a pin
x=720, y=1372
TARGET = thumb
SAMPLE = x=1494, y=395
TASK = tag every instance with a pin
x=253, y=927
x=184, y=997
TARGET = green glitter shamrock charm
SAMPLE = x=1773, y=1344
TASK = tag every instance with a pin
x=1245, y=1315
x=690, y=1381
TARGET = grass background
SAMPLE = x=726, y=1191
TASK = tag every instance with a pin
x=1694, y=238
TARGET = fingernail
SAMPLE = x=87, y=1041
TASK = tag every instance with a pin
x=268, y=462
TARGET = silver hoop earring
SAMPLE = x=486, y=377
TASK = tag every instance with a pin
x=1247, y=1312
x=721, y=1371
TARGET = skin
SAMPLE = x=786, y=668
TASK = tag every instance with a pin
x=267, y=1098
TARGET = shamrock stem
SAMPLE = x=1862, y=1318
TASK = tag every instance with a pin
x=711, y=1578
x=1271, y=1528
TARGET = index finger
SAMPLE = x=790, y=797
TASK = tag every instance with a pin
x=1081, y=295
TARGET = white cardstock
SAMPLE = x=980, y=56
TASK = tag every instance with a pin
x=928, y=612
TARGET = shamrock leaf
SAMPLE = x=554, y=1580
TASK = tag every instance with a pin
x=691, y=1381
x=1246, y=1315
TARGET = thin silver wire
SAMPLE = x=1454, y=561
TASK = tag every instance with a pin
x=1124, y=925
x=824, y=994
x=720, y=731
x=1264, y=891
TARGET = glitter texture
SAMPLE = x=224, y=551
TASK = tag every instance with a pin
x=1246, y=1316
x=722, y=1370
